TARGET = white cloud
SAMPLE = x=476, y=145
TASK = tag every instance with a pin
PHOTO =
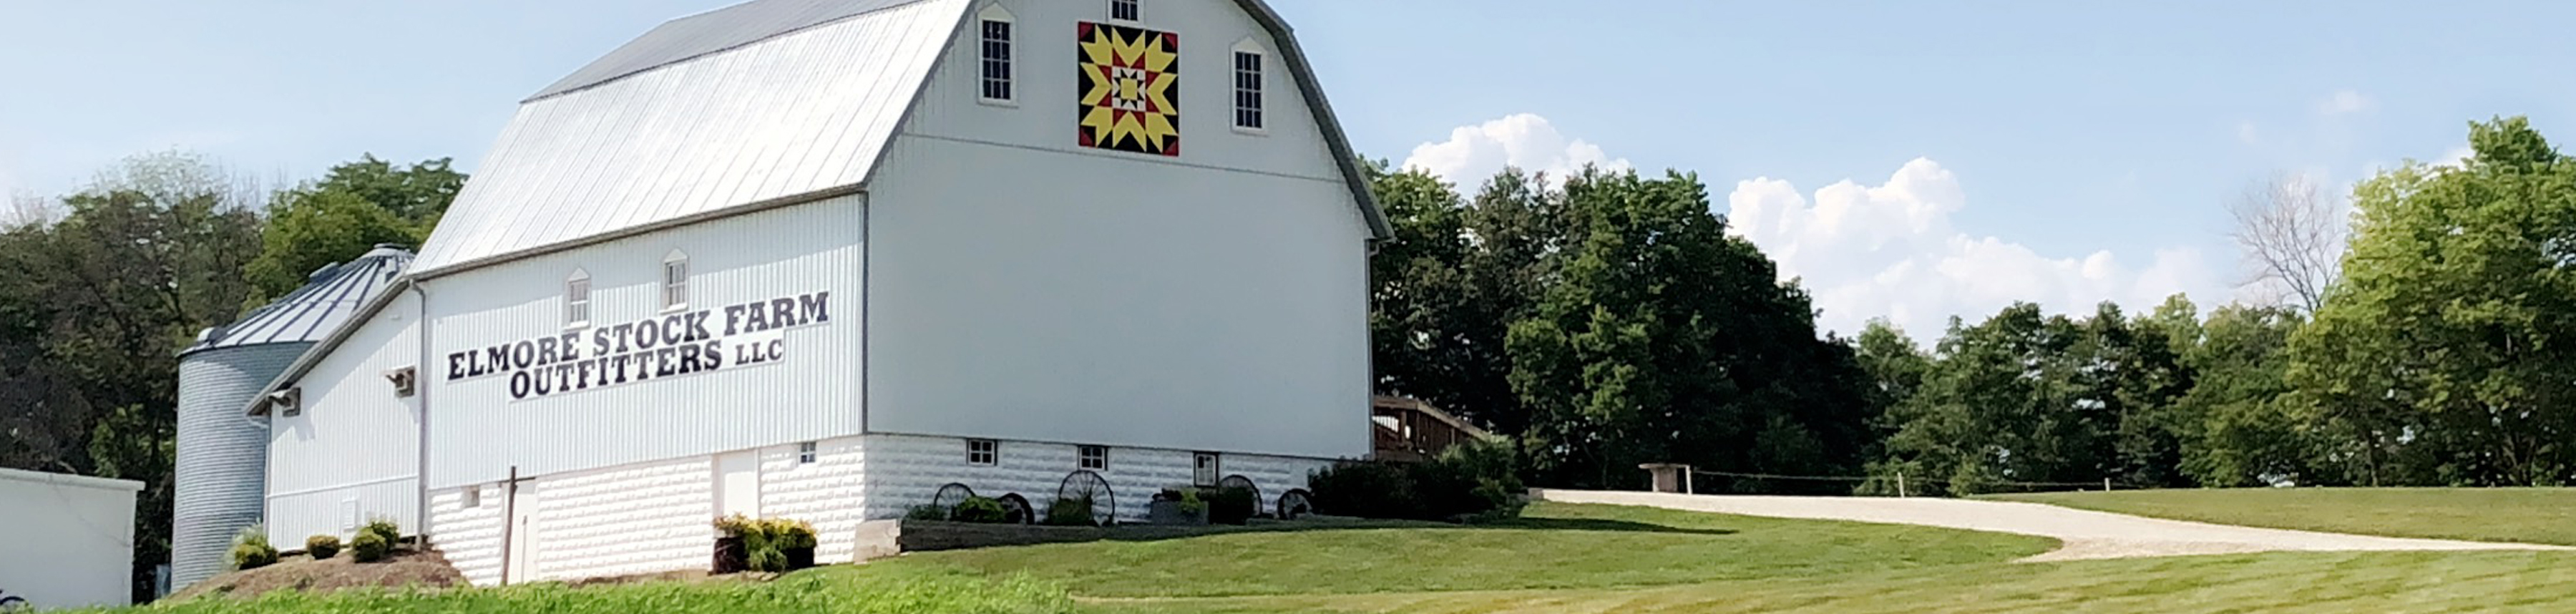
x=1475, y=153
x=2345, y=101
x=2246, y=134
x=1890, y=251
x=2455, y=157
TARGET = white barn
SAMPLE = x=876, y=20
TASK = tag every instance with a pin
x=815, y=259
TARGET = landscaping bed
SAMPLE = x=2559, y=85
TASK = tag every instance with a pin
x=403, y=568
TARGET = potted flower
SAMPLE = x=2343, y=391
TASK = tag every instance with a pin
x=730, y=554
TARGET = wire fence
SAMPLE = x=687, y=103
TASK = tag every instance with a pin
x=1894, y=485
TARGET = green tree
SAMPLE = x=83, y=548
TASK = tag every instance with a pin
x=2243, y=428
x=98, y=304
x=2440, y=357
x=309, y=229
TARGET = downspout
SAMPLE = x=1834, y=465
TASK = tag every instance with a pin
x=420, y=392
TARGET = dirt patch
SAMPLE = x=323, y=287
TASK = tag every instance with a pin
x=404, y=569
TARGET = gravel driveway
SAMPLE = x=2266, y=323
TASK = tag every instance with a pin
x=2086, y=534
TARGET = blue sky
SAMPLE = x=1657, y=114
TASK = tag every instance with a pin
x=2063, y=152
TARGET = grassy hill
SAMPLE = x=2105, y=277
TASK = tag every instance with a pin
x=1563, y=558
x=2529, y=515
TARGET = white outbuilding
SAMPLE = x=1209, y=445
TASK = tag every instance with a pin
x=66, y=541
x=819, y=259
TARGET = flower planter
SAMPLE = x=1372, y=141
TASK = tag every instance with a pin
x=730, y=557
x=798, y=558
x=1169, y=512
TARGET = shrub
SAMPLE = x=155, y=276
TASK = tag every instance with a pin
x=382, y=527
x=736, y=525
x=1472, y=481
x=980, y=510
x=322, y=546
x=767, y=559
x=369, y=547
x=251, y=549
x=926, y=512
x=1234, y=505
x=789, y=533
x=1070, y=512
x=1191, y=504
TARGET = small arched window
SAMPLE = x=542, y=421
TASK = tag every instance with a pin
x=577, y=299
x=675, y=281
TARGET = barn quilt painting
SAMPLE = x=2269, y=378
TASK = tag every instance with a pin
x=1131, y=79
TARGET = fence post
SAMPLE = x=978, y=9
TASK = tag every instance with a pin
x=2106, y=484
x=1900, y=484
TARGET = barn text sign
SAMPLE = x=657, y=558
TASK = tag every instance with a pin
x=730, y=337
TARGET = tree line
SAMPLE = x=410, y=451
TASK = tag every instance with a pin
x=100, y=289
x=1600, y=321
x=2422, y=337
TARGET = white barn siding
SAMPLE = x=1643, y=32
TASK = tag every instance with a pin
x=1223, y=310
x=353, y=453
x=906, y=470
x=633, y=519
x=470, y=537
x=1021, y=290
x=826, y=493
x=478, y=433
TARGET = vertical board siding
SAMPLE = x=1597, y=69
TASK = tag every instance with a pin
x=295, y=516
x=1044, y=80
x=354, y=438
x=479, y=432
x=795, y=114
x=1216, y=300
x=222, y=454
x=1096, y=299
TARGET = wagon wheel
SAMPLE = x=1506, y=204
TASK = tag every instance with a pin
x=1015, y=509
x=15, y=604
x=1238, y=481
x=1293, y=504
x=1088, y=486
x=949, y=496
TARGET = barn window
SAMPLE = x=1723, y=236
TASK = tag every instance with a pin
x=1094, y=458
x=1126, y=10
x=805, y=453
x=996, y=55
x=577, y=300
x=473, y=497
x=675, y=281
x=1247, y=89
x=1204, y=470
x=982, y=452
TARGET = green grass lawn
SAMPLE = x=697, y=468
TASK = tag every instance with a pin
x=1582, y=559
x=1553, y=546
x=2531, y=515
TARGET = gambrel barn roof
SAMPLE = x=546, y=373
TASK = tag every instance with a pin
x=762, y=104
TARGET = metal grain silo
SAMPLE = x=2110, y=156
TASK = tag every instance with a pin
x=223, y=452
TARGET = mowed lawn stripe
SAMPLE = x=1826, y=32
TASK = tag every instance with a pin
x=2525, y=515
x=1555, y=546
x=2319, y=583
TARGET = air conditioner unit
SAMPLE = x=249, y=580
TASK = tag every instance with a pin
x=405, y=380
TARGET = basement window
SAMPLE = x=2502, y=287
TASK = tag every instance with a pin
x=1126, y=10
x=474, y=496
x=1247, y=90
x=805, y=453
x=1094, y=458
x=983, y=452
x=675, y=282
x=995, y=53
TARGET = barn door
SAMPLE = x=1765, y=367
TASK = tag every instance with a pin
x=738, y=484
x=521, y=565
